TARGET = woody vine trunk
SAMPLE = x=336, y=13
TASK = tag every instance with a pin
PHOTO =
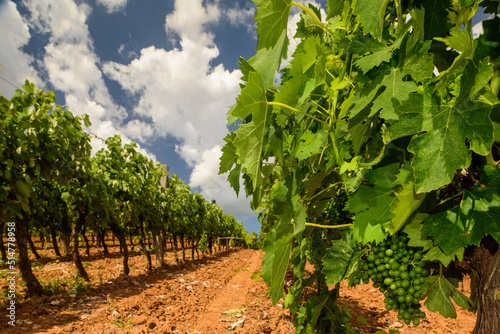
x=486, y=261
x=32, y=283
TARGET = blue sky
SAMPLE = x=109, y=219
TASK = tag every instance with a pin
x=162, y=73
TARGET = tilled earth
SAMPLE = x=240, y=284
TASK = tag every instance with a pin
x=220, y=293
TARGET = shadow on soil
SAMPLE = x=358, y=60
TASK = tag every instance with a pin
x=123, y=286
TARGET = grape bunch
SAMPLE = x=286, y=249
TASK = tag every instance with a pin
x=399, y=272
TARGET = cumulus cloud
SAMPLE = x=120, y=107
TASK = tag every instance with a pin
x=15, y=65
x=205, y=176
x=179, y=90
x=238, y=16
x=186, y=97
x=73, y=68
x=113, y=5
x=189, y=20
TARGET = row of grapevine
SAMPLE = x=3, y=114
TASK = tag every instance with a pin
x=376, y=157
x=50, y=184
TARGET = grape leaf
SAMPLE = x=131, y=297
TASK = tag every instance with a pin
x=386, y=205
x=334, y=8
x=392, y=85
x=477, y=215
x=336, y=261
x=249, y=138
x=463, y=42
x=275, y=264
x=437, y=254
x=462, y=300
x=311, y=143
x=442, y=149
x=414, y=231
x=228, y=157
x=438, y=296
x=267, y=61
x=371, y=15
x=272, y=19
x=374, y=52
x=372, y=205
x=435, y=11
x=234, y=179
x=296, y=87
x=408, y=201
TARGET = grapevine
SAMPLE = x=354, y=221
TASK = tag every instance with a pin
x=50, y=182
x=387, y=116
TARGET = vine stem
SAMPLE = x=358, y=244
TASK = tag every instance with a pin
x=399, y=13
x=279, y=104
x=315, y=18
x=322, y=191
x=328, y=226
x=495, y=89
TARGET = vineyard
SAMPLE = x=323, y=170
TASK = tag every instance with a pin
x=370, y=150
x=219, y=293
x=52, y=188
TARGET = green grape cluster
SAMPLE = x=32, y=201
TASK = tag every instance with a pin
x=399, y=272
x=333, y=213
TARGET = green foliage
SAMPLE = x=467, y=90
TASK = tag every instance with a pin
x=388, y=107
x=73, y=284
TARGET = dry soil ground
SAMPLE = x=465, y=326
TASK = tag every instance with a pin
x=221, y=293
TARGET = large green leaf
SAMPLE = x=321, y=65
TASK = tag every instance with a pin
x=272, y=20
x=438, y=297
x=463, y=42
x=385, y=205
x=372, y=205
x=408, y=201
x=298, y=86
x=440, y=291
x=449, y=130
x=391, y=86
x=435, y=19
x=229, y=157
x=371, y=15
x=478, y=215
x=249, y=138
x=336, y=261
x=373, y=52
x=278, y=258
x=310, y=144
x=267, y=60
x=443, y=149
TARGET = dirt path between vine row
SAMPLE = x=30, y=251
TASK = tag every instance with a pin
x=220, y=293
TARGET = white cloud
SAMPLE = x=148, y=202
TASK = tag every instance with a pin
x=73, y=67
x=179, y=90
x=126, y=54
x=214, y=186
x=181, y=93
x=241, y=17
x=15, y=64
x=113, y=5
x=186, y=97
x=189, y=20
